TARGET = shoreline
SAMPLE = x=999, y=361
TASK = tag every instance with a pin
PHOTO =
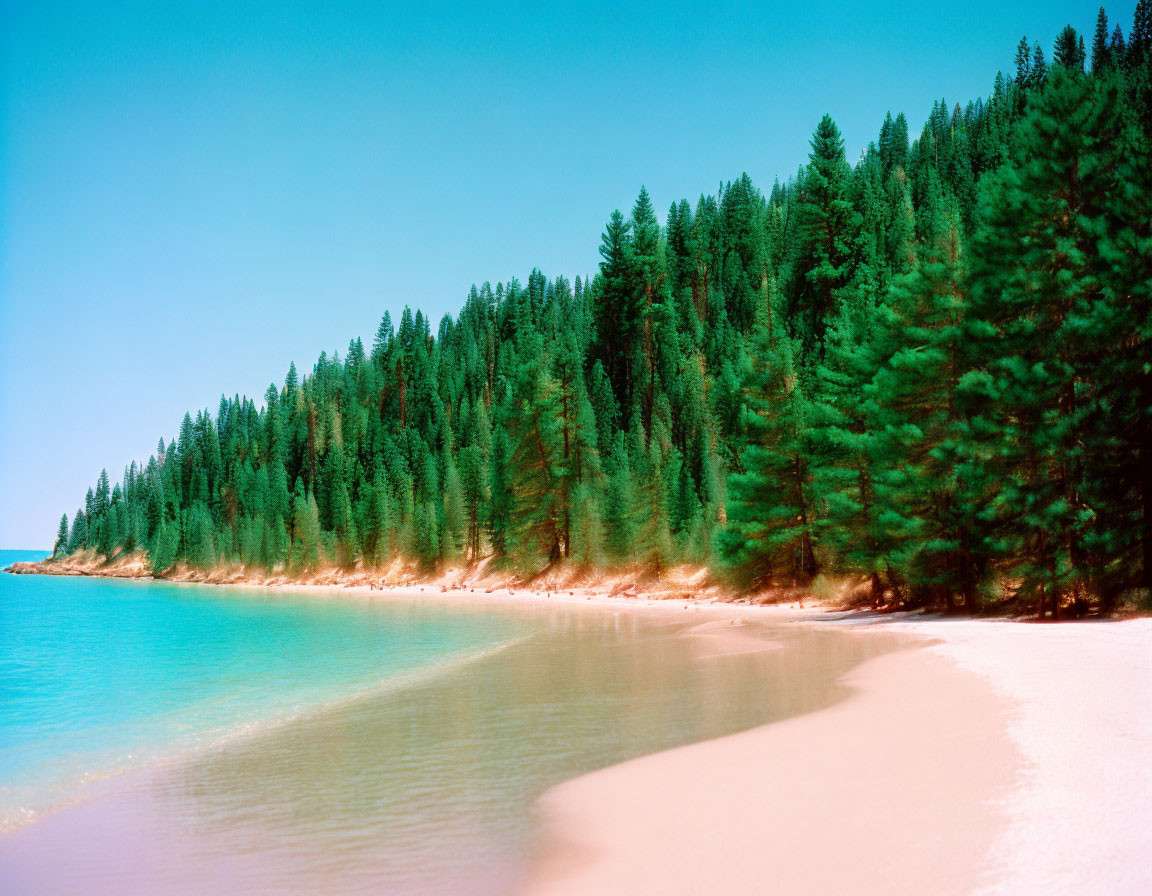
x=714, y=628
x=681, y=589
x=995, y=758
x=847, y=597
x=675, y=582
x=661, y=653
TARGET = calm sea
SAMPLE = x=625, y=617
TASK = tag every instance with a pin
x=159, y=738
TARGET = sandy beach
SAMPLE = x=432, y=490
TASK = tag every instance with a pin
x=986, y=756
x=411, y=784
x=997, y=757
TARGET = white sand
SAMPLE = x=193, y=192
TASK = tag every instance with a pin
x=1080, y=817
x=1004, y=758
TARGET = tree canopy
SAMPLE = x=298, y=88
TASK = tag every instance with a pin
x=930, y=367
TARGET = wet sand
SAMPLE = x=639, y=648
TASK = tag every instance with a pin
x=430, y=788
x=1001, y=758
x=871, y=754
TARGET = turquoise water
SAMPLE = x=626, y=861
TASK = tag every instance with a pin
x=301, y=743
x=101, y=675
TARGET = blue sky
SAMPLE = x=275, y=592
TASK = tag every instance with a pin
x=193, y=195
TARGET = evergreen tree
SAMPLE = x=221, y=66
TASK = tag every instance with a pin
x=1140, y=37
x=79, y=539
x=828, y=249
x=1101, y=52
x=619, y=505
x=474, y=483
x=1039, y=71
x=926, y=482
x=61, y=546
x=305, y=532
x=1036, y=296
x=768, y=537
x=164, y=548
x=1069, y=51
x=900, y=142
x=1023, y=65
x=845, y=424
x=617, y=315
x=452, y=546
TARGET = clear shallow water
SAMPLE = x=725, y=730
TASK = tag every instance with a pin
x=102, y=675
x=411, y=778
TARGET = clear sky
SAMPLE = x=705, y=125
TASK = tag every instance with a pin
x=193, y=195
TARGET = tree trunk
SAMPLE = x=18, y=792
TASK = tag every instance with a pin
x=1108, y=598
x=877, y=591
x=971, y=600
x=946, y=595
x=894, y=584
x=401, y=387
x=1146, y=508
x=564, y=495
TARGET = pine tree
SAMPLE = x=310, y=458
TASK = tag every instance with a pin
x=900, y=141
x=452, y=546
x=165, y=546
x=830, y=227
x=1101, y=53
x=885, y=144
x=768, y=537
x=537, y=462
x=100, y=498
x=79, y=539
x=1023, y=65
x=1140, y=37
x=929, y=536
x=474, y=482
x=1069, y=49
x=844, y=422
x=426, y=537
x=1038, y=74
x=501, y=501
x=588, y=533
x=305, y=531
x=619, y=505
x=617, y=318
x=199, y=538
x=654, y=541
x=61, y=546
x=1033, y=287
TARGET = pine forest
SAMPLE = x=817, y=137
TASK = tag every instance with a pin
x=929, y=368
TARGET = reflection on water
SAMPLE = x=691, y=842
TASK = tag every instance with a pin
x=428, y=788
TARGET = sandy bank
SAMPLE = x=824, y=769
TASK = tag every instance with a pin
x=997, y=757
x=1001, y=758
x=683, y=583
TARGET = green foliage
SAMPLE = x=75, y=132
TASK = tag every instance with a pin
x=306, y=534
x=61, y=546
x=165, y=547
x=79, y=538
x=769, y=531
x=928, y=365
x=1059, y=286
